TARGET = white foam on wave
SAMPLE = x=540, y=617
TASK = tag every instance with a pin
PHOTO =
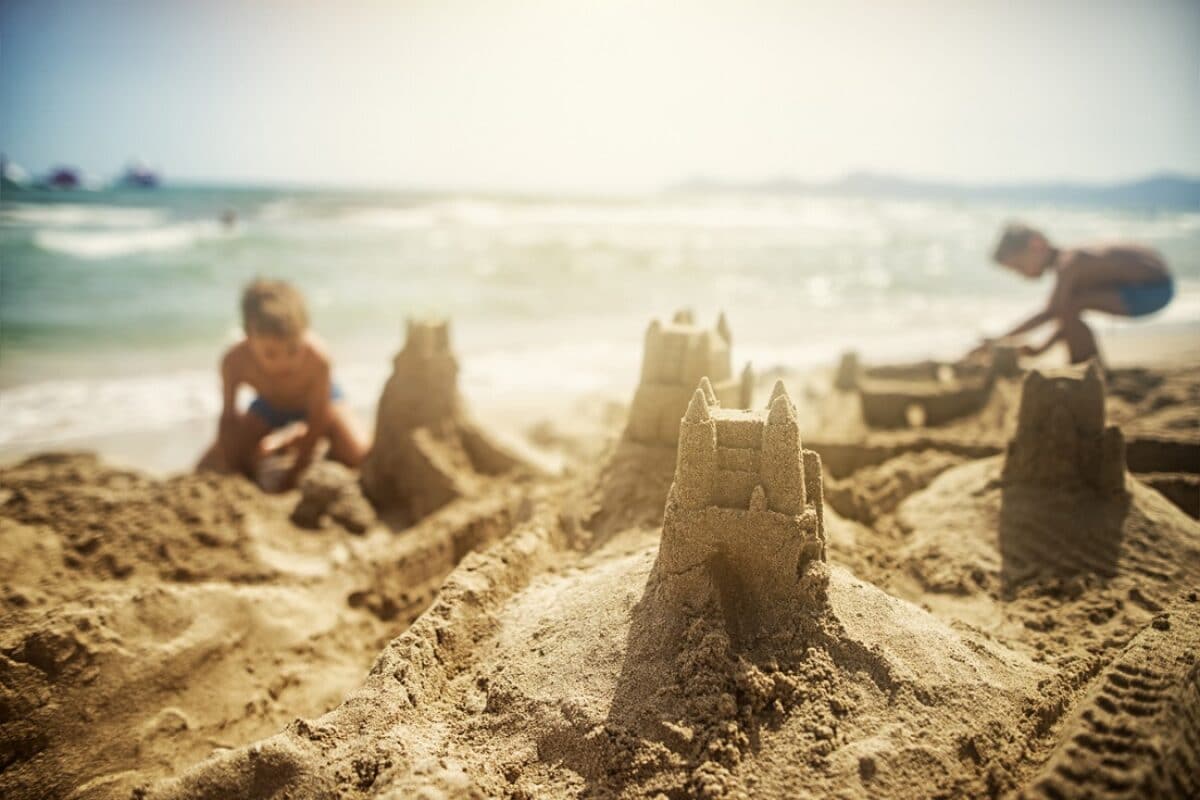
x=75, y=215
x=115, y=243
x=722, y=213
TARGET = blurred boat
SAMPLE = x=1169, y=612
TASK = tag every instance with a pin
x=141, y=175
x=64, y=178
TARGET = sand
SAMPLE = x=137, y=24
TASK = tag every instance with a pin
x=780, y=600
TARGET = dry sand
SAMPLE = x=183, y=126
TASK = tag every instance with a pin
x=929, y=622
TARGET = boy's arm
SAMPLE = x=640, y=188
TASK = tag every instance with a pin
x=230, y=380
x=316, y=424
x=227, y=425
x=1037, y=320
x=1064, y=286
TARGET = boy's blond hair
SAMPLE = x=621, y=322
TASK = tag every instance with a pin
x=1013, y=239
x=273, y=308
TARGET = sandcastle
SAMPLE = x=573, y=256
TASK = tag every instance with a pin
x=1061, y=439
x=744, y=516
x=846, y=377
x=1006, y=361
x=427, y=451
x=924, y=393
x=677, y=355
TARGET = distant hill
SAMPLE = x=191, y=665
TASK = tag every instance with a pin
x=1167, y=191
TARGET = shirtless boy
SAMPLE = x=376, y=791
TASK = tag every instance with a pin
x=289, y=368
x=1127, y=280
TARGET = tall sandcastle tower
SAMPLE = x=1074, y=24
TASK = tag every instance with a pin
x=427, y=450
x=1062, y=441
x=744, y=516
x=677, y=355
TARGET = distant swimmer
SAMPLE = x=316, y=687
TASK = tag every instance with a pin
x=229, y=218
x=1123, y=279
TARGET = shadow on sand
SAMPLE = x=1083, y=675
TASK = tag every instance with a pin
x=1051, y=532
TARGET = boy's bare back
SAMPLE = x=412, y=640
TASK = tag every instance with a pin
x=1112, y=265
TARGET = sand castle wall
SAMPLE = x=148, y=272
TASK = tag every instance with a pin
x=677, y=355
x=924, y=392
x=939, y=393
x=427, y=450
x=744, y=515
x=1061, y=439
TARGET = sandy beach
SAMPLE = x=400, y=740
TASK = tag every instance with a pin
x=599, y=401
x=985, y=606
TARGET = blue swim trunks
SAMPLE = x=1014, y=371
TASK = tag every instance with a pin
x=279, y=417
x=1141, y=299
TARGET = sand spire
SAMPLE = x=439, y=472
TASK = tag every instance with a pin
x=427, y=451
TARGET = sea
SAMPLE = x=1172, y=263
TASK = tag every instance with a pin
x=116, y=305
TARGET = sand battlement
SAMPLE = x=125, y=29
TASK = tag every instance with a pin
x=676, y=356
x=744, y=516
x=427, y=451
x=1061, y=438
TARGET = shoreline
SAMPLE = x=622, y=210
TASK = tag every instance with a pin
x=173, y=448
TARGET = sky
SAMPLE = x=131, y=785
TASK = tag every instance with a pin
x=601, y=95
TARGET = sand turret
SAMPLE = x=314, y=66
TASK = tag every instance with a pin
x=1006, y=361
x=846, y=377
x=427, y=450
x=677, y=355
x=1061, y=439
x=744, y=514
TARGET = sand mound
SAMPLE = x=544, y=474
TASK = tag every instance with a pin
x=532, y=680
x=330, y=491
x=1067, y=550
x=427, y=449
x=876, y=490
x=117, y=523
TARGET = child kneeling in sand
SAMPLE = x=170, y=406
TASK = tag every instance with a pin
x=291, y=371
x=1127, y=280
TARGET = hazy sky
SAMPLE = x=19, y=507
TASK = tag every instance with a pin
x=601, y=94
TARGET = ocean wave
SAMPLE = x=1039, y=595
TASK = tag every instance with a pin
x=113, y=244
x=73, y=215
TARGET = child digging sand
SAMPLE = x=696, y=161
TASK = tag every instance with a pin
x=289, y=368
x=1127, y=280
